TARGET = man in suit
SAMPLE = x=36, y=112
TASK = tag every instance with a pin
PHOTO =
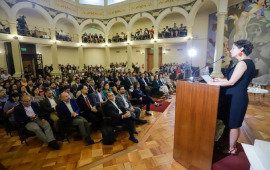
x=47, y=81
x=127, y=82
x=91, y=111
x=144, y=86
x=133, y=78
x=68, y=110
x=48, y=106
x=91, y=87
x=46, y=70
x=142, y=98
x=61, y=88
x=96, y=76
x=76, y=85
x=31, y=114
x=146, y=79
x=54, y=90
x=29, y=86
x=98, y=96
x=121, y=116
x=122, y=101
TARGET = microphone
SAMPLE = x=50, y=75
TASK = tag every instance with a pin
x=222, y=57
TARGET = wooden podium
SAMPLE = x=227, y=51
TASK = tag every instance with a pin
x=195, y=122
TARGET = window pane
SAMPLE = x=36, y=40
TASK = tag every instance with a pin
x=92, y=2
x=114, y=1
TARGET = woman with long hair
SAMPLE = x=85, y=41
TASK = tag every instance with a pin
x=13, y=89
x=161, y=87
x=9, y=106
x=235, y=95
x=36, y=96
x=23, y=91
x=106, y=88
x=40, y=88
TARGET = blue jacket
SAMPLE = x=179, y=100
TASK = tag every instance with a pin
x=21, y=116
x=63, y=111
x=137, y=93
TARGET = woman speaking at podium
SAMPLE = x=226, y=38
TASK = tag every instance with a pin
x=236, y=96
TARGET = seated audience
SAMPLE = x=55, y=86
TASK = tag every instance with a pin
x=121, y=116
x=76, y=85
x=48, y=106
x=23, y=91
x=68, y=110
x=142, y=98
x=31, y=114
x=54, y=90
x=161, y=87
x=79, y=91
x=144, y=86
x=3, y=97
x=30, y=86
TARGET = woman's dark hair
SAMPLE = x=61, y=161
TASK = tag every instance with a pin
x=5, y=83
x=20, y=91
x=13, y=95
x=33, y=93
x=80, y=87
x=247, y=45
x=10, y=88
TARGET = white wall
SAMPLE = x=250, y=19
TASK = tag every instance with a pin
x=200, y=30
x=117, y=28
x=94, y=56
x=3, y=15
x=175, y=55
x=172, y=18
x=142, y=23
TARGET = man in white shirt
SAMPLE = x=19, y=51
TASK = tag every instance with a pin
x=5, y=75
x=48, y=106
x=64, y=36
x=31, y=114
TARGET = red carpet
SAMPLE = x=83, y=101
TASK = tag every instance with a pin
x=160, y=108
x=227, y=162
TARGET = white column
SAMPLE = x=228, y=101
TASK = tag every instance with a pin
x=189, y=41
x=107, y=57
x=54, y=52
x=155, y=33
x=129, y=50
x=15, y=47
x=106, y=39
x=219, y=44
x=156, y=57
x=80, y=53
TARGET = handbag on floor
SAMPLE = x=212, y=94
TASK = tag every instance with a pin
x=107, y=135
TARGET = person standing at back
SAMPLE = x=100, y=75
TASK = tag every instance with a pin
x=236, y=96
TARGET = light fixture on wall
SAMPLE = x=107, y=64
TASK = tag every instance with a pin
x=81, y=44
x=154, y=40
x=106, y=45
x=16, y=37
x=38, y=53
x=142, y=52
x=189, y=38
x=128, y=42
x=164, y=52
x=55, y=42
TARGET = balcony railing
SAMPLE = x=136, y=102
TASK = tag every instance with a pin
x=92, y=39
x=69, y=37
x=34, y=31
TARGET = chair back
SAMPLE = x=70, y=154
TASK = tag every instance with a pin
x=262, y=80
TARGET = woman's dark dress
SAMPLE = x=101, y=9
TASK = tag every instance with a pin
x=236, y=96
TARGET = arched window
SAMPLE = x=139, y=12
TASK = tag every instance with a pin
x=110, y=2
x=92, y=2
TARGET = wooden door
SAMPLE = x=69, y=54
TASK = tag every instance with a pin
x=150, y=58
x=28, y=62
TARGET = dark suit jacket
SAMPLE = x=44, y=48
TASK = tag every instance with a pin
x=146, y=79
x=28, y=89
x=57, y=92
x=96, y=77
x=46, y=105
x=142, y=84
x=63, y=111
x=137, y=93
x=95, y=97
x=90, y=90
x=111, y=111
x=82, y=103
x=21, y=116
x=127, y=83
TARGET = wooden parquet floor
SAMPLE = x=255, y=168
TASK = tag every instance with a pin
x=156, y=153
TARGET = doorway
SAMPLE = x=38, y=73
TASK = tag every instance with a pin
x=150, y=58
x=30, y=61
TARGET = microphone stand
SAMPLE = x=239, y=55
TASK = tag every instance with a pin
x=193, y=76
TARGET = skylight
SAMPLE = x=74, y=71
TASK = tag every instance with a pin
x=92, y=2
